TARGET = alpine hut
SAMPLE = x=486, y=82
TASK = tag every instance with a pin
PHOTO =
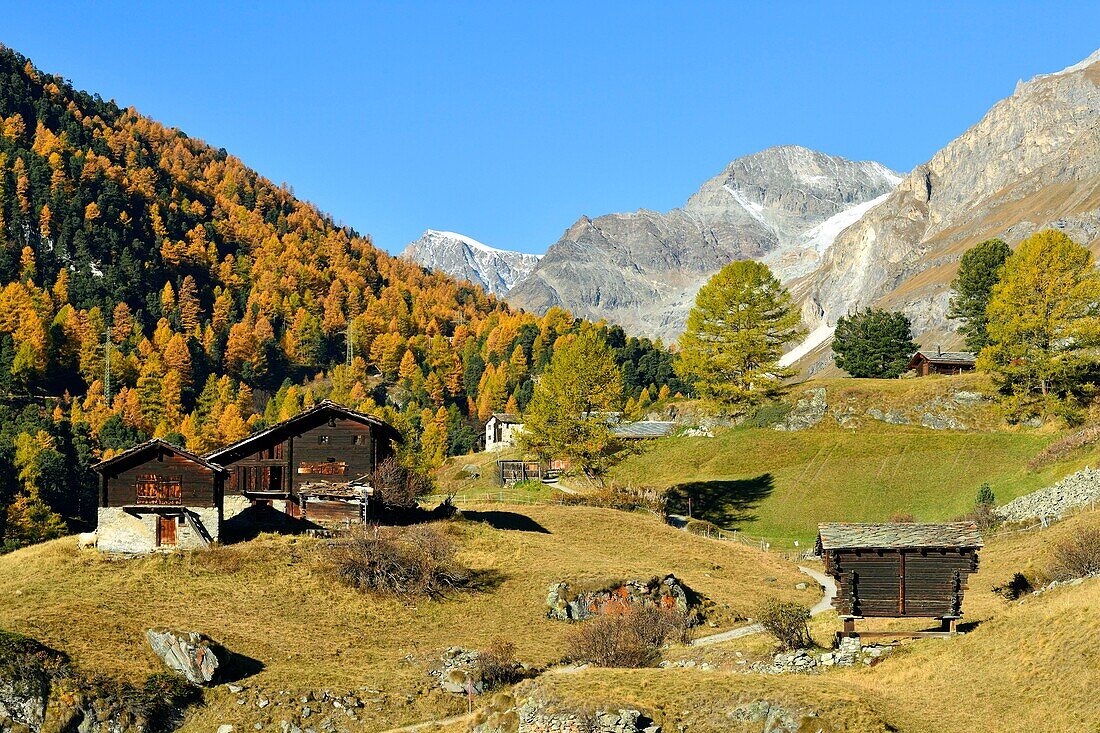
x=899, y=570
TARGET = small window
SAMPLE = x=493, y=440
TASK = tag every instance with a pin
x=322, y=439
x=359, y=440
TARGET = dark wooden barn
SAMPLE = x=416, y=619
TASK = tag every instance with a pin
x=310, y=470
x=156, y=495
x=925, y=363
x=326, y=443
x=899, y=570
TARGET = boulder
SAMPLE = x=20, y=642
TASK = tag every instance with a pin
x=190, y=654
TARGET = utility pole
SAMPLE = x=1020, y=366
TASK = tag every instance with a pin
x=107, y=367
x=349, y=337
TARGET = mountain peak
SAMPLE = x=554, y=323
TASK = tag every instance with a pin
x=465, y=258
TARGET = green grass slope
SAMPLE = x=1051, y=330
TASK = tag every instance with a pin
x=780, y=485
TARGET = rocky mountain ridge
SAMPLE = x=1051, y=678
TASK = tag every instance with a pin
x=464, y=258
x=783, y=205
x=1031, y=163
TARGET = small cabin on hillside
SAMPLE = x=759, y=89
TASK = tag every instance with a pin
x=501, y=429
x=925, y=363
x=156, y=496
x=312, y=470
x=899, y=570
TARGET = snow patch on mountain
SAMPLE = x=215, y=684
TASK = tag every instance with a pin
x=465, y=258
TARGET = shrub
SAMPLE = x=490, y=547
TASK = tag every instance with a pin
x=983, y=516
x=786, y=621
x=497, y=664
x=1015, y=588
x=397, y=485
x=412, y=561
x=768, y=415
x=902, y=518
x=630, y=639
x=985, y=496
x=1077, y=555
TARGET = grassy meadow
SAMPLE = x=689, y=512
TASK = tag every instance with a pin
x=780, y=485
x=269, y=600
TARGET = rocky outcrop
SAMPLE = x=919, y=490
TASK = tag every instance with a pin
x=783, y=205
x=1072, y=492
x=1033, y=162
x=807, y=412
x=463, y=258
x=41, y=691
x=187, y=653
x=568, y=602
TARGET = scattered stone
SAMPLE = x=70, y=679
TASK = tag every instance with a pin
x=774, y=717
x=700, y=432
x=1054, y=502
x=458, y=672
x=893, y=417
x=234, y=688
x=225, y=728
x=189, y=653
x=807, y=412
x=968, y=399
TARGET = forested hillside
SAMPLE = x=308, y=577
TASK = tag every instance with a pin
x=154, y=285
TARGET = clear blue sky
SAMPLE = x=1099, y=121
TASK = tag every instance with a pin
x=507, y=121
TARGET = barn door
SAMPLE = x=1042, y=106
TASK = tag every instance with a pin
x=166, y=531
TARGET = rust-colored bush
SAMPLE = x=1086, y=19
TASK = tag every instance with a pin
x=1077, y=555
x=630, y=639
x=407, y=561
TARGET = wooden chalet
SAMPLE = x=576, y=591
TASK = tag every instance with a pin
x=925, y=363
x=156, y=495
x=310, y=470
x=326, y=443
x=899, y=570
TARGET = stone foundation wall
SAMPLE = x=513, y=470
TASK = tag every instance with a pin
x=136, y=533
x=234, y=504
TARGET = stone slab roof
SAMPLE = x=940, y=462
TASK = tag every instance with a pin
x=895, y=536
x=644, y=429
x=948, y=357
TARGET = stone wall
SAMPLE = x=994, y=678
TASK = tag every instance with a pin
x=565, y=602
x=529, y=714
x=1053, y=502
x=124, y=532
x=234, y=504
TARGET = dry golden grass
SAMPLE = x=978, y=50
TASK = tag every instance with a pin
x=700, y=701
x=269, y=600
x=1030, y=667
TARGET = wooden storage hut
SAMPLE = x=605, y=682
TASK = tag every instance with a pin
x=158, y=496
x=899, y=570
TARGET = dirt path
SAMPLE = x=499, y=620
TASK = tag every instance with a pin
x=429, y=724
x=821, y=606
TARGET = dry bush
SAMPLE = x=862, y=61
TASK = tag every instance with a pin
x=902, y=518
x=1060, y=449
x=983, y=516
x=497, y=664
x=406, y=561
x=630, y=639
x=1077, y=555
x=397, y=485
x=787, y=622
